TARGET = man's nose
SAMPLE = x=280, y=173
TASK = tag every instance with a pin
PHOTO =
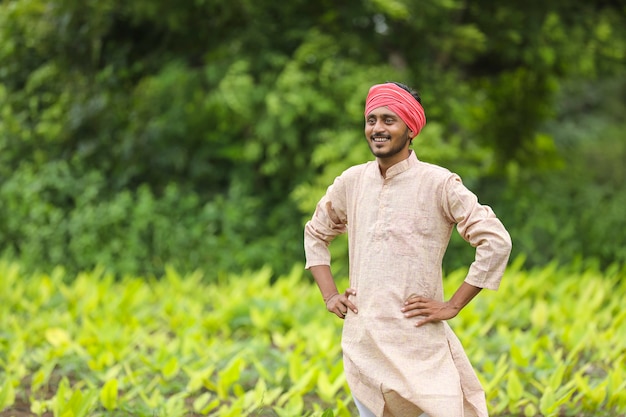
x=379, y=126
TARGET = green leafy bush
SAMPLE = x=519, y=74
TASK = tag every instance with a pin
x=53, y=217
x=135, y=134
x=575, y=208
x=550, y=342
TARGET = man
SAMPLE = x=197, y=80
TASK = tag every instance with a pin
x=401, y=358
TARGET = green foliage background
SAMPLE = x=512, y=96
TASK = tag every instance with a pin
x=181, y=345
x=200, y=134
x=142, y=138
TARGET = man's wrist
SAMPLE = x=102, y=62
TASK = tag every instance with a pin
x=327, y=298
x=454, y=306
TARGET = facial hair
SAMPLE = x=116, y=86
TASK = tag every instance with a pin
x=397, y=146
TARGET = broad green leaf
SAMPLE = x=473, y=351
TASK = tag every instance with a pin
x=500, y=369
x=292, y=408
x=598, y=393
x=170, y=369
x=198, y=378
x=42, y=376
x=154, y=400
x=326, y=389
x=514, y=387
x=175, y=405
x=263, y=395
x=57, y=337
x=60, y=401
x=546, y=403
x=109, y=395
x=229, y=375
x=342, y=408
x=203, y=404
x=80, y=403
x=7, y=394
x=38, y=407
x=518, y=356
x=539, y=314
x=530, y=410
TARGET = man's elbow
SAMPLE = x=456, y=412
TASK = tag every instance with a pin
x=505, y=245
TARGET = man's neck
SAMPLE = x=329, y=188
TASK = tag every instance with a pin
x=385, y=163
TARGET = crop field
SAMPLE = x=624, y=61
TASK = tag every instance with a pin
x=550, y=342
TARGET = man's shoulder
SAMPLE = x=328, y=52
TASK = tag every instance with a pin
x=436, y=172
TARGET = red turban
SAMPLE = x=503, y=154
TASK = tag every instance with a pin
x=399, y=101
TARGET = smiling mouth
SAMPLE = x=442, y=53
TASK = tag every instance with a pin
x=380, y=139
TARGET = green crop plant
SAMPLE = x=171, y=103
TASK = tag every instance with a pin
x=550, y=342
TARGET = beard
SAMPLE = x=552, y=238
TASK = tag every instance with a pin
x=397, y=145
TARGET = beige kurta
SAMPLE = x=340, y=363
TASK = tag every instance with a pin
x=398, y=231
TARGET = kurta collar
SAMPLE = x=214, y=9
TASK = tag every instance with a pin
x=402, y=166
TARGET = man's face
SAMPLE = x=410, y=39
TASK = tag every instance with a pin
x=387, y=135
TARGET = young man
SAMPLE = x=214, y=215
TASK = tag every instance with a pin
x=401, y=358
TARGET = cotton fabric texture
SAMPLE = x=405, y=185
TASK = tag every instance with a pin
x=398, y=230
x=400, y=102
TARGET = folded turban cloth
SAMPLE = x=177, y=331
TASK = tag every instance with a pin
x=399, y=101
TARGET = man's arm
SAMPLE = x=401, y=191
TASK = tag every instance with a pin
x=335, y=303
x=479, y=226
x=432, y=310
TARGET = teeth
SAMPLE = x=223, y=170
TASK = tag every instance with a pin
x=380, y=139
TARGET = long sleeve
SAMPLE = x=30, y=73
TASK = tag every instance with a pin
x=328, y=221
x=479, y=226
